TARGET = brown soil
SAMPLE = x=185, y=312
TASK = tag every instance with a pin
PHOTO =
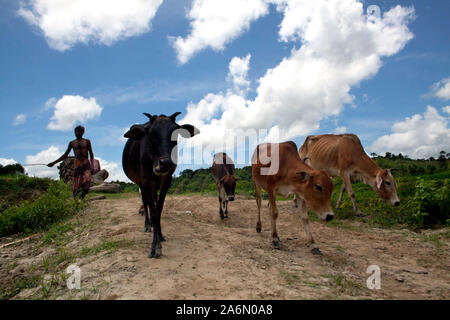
x=206, y=258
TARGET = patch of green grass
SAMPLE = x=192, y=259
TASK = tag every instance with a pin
x=58, y=233
x=344, y=225
x=312, y=284
x=109, y=246
x=121, y=195
x=438, y=238
x=341, y=285
x=57, y=261
x=47, y=286
x=19, y=284
x=291, y=278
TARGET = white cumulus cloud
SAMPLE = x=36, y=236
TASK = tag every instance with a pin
x=44, y=157
x=446, y=110
x=20, y=119
x=216, y=23
x=114, y=169
x=5, y=162
x=71, y=109
x=238, y=70
x=340, y=47
x=67, y=22
x=420, y=136
x=339, y=130
x=441, y=89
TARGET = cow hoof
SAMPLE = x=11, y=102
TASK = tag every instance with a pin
x=258, y=227
x=146, y=229
x=276, y=244
x=161, y=238
x=316, y=252
x=155, y=252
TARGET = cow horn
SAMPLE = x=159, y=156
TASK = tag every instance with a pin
x=173, y=117
x=149, y=116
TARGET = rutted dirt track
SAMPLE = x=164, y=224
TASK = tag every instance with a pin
x=205, y=258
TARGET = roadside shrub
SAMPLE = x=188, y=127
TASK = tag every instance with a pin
x=15, y=189
x=39, y=214
x=431, y=202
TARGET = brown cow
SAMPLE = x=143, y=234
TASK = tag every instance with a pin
x=277, y=168
x=343, y=155
x=223, y=173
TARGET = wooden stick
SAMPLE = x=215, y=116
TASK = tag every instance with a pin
x=18, y=241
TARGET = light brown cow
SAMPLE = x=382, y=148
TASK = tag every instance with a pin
x=343, y=155
x=277, y=168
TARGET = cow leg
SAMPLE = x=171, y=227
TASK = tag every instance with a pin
x=219, y=192
x=276, y=243
x=161, y=199
x=295, y=201
x=338, y=203
x=258, y=204
x=348, y=185
x=226, y=208
x=147, y=223
x=156, y=248
x=305, y=220
x=141, y=210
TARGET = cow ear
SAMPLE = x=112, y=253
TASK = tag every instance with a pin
x=379, y=181
x=136, y=132
x=303, y=176
x=188, y=131
x=174, y=116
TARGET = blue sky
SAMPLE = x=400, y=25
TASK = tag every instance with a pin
x=141, y=69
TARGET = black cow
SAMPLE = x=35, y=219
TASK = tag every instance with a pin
x=148, y=161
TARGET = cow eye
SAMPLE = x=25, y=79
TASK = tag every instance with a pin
x=388, y=183
x=319, y=187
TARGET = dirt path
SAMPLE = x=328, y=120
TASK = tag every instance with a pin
x=205, y=258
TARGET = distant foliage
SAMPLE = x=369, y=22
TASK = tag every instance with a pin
x=11, y=169
x=127, y=186
x=203, y=182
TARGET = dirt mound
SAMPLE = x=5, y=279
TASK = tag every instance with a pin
x=206, y=258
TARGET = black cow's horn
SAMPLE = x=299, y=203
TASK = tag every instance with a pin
x=149, y=116
x=172, y=117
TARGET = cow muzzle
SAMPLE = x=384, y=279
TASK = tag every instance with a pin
x=328, y=216
x=230, y=198
x=394, y=202
x=162, y=166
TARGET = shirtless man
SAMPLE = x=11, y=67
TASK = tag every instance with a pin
x=83, y=167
